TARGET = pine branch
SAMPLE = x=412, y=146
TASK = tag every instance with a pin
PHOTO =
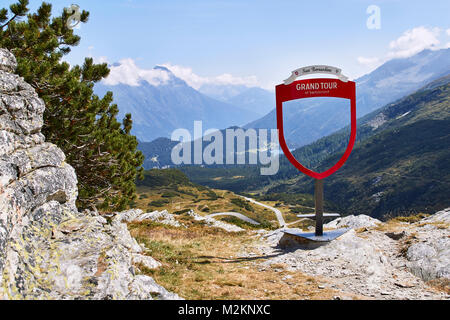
x=9, y=21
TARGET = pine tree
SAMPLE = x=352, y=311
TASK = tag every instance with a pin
x=101, y=150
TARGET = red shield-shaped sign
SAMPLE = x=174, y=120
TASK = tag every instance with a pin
x=311, y=88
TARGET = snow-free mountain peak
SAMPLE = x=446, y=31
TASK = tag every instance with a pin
x=160, y=102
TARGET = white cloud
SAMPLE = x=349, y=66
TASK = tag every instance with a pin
x=414, y=41
x=196, y=81
x=408, y=44
x=186, y=74
x=127, y=72
x=448, y=32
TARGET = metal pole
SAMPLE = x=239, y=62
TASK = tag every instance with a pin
x=318, y=197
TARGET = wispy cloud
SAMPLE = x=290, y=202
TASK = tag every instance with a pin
x=413, y=41
x=127, y=72
x=196, y=81
x=408, y=44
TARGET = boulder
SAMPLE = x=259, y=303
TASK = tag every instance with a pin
x=211, y=222
x=429, y=255
x=430, y=261
x=355, y=222
x=439, y=217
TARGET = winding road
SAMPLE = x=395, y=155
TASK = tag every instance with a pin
x=277, y=212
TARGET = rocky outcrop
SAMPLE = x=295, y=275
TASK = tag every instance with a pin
x=371, y=262
x=137, y=215
x=429, y=254
x=164, y=217
x=439, y=217
x=211, y=222
x=49, y=250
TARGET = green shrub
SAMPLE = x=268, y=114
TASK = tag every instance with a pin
x=181, y=211
x=241, y=203
x=211, y=195
x=158, y=203
x=164, y=178
x=302, y=210
x=169, y=194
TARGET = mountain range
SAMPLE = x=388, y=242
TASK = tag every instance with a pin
x=158, y=109
x=253, y=99
x=399, y=164
x=307, y=120
x=158, y=152
x=400, y=161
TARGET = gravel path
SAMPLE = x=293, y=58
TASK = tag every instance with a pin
x=277, y=212
x=235, y=214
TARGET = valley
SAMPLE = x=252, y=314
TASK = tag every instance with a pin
x=171, y=190
x=398, y=165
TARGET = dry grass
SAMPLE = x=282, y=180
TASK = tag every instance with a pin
x=392, y=225
x=187, y=197
x=411, y=219
x=288, y=215
x=442, y=285
x=303, y=224
x=202, y=263
x=405, y=243
x=438, y=224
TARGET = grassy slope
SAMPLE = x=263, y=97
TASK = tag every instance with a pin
x=399, y=171
x=200, y=262
x=170, y=189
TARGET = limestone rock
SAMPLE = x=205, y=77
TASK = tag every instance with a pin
x=430, y=261
x=49, y=250
x=367, y=262
x=137, y=215
x=211, y=222
x=8, y=62
x=146, y=261
x=429, y=256
x=440, y=216
x=144, y=285
x=355, y=222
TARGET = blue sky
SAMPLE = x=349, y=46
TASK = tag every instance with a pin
x=255, y=42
